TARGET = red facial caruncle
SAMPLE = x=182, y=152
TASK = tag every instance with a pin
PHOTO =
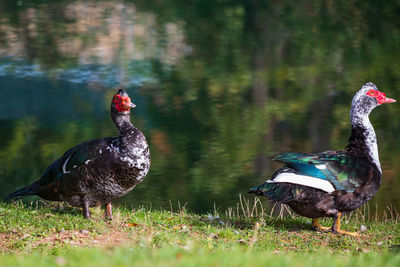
x=122, y=103
x=380, y=96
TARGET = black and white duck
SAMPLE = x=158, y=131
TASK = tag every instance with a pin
x=329, y=183
x=98, y=171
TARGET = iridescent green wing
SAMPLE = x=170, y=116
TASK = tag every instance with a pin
x=342, y=170
x=75, y=157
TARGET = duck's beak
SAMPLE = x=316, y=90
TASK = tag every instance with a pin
x=387, y=100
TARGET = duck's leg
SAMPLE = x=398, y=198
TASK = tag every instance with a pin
x=336, y=226
x=85, y=208
x=108, y=211
x=317, y=226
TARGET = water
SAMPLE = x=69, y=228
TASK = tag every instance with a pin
x=218, y=85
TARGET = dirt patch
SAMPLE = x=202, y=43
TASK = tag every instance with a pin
x=5, y=241
x=116, y=236
x=84, y=238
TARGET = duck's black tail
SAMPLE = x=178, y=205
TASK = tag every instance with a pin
x=281, y=192
x=23, y=192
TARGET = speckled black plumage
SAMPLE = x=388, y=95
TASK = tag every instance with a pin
x=98, y=171
x=329, y=183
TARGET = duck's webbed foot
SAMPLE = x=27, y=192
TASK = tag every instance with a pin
x=317, y=226
x=336, y=226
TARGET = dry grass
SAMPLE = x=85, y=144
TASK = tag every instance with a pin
x=255, y=207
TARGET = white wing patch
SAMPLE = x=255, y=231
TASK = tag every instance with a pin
x=65, y=164
x=292, y=178
x=321, y=166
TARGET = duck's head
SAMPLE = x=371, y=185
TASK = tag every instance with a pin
x=367, y=98
x=121, y=102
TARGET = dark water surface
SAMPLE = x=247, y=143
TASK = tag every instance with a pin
x=218, y=85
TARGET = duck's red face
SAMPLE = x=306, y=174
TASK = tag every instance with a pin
x=380, y=96
x=122, y=103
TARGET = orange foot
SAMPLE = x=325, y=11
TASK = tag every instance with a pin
x=336, y=227
x=317, y=226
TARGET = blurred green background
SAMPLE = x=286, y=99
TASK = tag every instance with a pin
x=218, y=85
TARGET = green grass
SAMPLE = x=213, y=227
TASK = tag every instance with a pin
x=50, y=234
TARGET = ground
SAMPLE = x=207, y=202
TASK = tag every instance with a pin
x=45, y=233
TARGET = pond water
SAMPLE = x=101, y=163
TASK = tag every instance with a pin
x=218, y=86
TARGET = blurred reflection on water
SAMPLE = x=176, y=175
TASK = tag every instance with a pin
x=217, y=84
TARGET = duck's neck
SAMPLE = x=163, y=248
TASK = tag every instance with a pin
x=126, y=130
x=363, y=141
